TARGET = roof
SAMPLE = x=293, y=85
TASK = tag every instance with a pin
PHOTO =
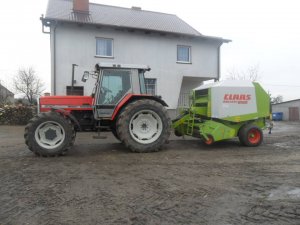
x=62, y=10
x=294, y=100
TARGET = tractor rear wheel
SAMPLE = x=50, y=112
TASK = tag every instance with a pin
x=114, y=132
x=49, y=134
x=144, y=126
x=250, y=135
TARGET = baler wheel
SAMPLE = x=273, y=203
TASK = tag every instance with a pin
x=49, y=134
x=177, y=133
x=209, y=141
x=144, y=126
x=251, y=135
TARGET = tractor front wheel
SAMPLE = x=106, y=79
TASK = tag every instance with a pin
x=250, y=135
x=49, y=134
x=144, y=126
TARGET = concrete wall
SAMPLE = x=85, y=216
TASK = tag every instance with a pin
x=284, y=107
x=77, y=44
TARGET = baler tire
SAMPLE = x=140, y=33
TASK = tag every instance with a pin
x=250, y=135
x=177, y=133
x=134, y=120
x=54, y=121
x=210, y=140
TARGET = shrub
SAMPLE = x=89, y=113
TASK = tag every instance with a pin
x=16, y=115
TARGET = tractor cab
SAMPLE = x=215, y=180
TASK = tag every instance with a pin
x=114, y=83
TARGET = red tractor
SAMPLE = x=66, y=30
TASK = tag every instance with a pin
x=119, y=103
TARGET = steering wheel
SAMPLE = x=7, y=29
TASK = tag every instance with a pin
x=104, y=89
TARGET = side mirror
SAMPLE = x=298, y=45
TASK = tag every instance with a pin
x=85, y=76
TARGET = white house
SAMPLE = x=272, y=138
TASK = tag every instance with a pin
x=84, y=34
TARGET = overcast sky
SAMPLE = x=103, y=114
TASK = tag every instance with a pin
x=263, y=32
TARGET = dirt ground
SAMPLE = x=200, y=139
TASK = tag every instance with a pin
x=101, y=182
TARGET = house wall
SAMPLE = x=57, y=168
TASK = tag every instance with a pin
x=6, y=96
x=284, y=107
x=77, y=44
x=11, y=99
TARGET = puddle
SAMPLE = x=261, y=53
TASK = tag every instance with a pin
x=284, y=192
x=290, y=144
x=281, y=145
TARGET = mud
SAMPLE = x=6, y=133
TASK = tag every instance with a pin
x=101, y=182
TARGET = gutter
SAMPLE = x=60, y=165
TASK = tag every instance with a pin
x=90, y=22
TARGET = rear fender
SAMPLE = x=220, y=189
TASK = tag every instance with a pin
x=132, y=97
x=67, y=114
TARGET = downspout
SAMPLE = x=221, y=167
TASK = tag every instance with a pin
x=47, y=23
x=54, y=58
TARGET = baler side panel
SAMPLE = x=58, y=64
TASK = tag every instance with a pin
x=233, y=103
x=263, y=101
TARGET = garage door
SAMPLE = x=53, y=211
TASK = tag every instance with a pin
x=293, y=113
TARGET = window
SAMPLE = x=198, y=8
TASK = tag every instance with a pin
x=104, y=47
x=77, y=90
x=142, y=82
x=150, y=84
x=183, y=54
x=115, y=84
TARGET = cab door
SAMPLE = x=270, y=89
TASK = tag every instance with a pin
x=114, y=85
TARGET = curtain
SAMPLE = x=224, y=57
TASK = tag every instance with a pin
x=183, y=54
x=104, y=47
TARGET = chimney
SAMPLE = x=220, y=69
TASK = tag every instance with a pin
x=81, y=6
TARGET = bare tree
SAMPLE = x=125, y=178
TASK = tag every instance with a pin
x=277, y=99
x=29, y=84
x=252, y=73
